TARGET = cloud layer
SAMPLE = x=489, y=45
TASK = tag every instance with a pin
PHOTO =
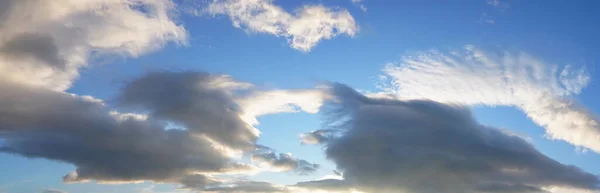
x=190, y=129
x=422, y=146
x=199, y=130
x=104, y=146
x=304, y=28
x=474, y=77
x=112, y=147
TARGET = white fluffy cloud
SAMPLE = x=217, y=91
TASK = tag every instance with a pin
x=304, y=28
x=280, y=101
x=44, y=43
x=474, y=77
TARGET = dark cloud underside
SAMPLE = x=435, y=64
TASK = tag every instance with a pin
x=425, y=146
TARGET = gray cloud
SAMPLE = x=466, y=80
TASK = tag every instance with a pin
x=319, y=136
x=193, y=100
x=267, y=157
x=243, y=186
x=37, y=46
x=246, y=186
x=52, y=191
x=59, y=126
x=112, y=147
x=196, y=182
x=424, y=146
x=326, y=184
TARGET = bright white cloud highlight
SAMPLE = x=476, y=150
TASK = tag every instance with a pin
x=474, y=77
x=304, y=28
x=280, y=101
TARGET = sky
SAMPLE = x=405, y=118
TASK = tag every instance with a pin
x=275, y=96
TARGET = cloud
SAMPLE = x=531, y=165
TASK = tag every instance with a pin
x=246, y=186
x=360, y=4
x=319, y=136
x=416, y=146
x=108, y=146
x=44, y=43
x=181, y=98
x=280, y=101
x=196, y=181
x=329, y=185
x=39, y=47
x=498, y=4
x=58, y=126
x=474, y=77
x=192, y=100
x=52, y=191
x=304, y=29
x=266, y=157
x=494, y=3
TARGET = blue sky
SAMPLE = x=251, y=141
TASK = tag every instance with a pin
x=384, y=39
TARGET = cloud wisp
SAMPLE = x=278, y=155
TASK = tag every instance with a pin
x=474, y=77
x=304, y=29
x=421, y=146
x=360, y=4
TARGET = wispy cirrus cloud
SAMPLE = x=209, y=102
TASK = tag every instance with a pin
x=360, y=4
x=498, y=4
x=474, y=77
x=304, y=28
